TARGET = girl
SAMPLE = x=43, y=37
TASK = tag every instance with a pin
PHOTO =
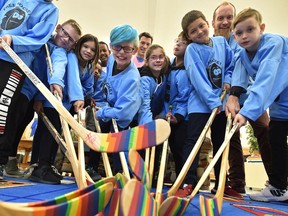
x=153, y=84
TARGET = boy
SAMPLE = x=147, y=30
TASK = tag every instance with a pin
x=68, y=86
x=264, y=59
x=209, y=65
x=25, y=26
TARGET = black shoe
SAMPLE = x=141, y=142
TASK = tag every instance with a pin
x=44, y=174
x=56, y=172
x=93, y=174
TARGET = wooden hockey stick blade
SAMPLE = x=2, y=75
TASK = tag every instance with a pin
x=58, y=138
x=143, y=136
x=182, y=203
x=107, y=166
x=136, y=200
x=213, y=206
x=139, y=168
x=89, y=203
x=71, y=195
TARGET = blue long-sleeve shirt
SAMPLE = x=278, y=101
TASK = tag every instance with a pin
x=123, y=94
x=269, y=71
x=208, y=69
x=179, y=91
x=30, y=23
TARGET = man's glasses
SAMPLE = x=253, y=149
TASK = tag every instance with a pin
x=180, y=42
x=126, y=49
x=65, y=33
x=157, y=58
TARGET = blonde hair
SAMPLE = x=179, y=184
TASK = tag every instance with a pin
x=245, y=14
x=74, y=25
x=225, y=3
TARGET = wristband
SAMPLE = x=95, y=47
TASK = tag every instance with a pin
x=235, y=93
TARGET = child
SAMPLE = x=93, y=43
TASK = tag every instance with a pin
x=25, y=26
x=104, y=53
x=87, y=52
x=153, y=84
x=264, y=59
x=177, y=93
x=208, y=62
x=67, y=84
x=122, y=85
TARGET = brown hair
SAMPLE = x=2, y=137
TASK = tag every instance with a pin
x=74, y=24
x=147, y=35
x=150, y=50
x=190, y=17
x=245, y=14
x=81, y=41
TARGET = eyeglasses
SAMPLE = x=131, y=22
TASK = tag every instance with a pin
x=65, y=33
x=180, y=42
x=157, y=58
x=126, y=49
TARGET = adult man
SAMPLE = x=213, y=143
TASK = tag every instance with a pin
x=222, y=23
x=145, y=40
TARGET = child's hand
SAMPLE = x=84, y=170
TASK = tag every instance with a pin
x=232, y=106
x=78, y=105
x=7, y=38
x=56, y=88
x=38, y=106
x=240, y=119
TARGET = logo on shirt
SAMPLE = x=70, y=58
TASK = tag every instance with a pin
x=13, y=18
x=214, y=71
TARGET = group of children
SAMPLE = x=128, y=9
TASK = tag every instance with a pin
x=186, y=89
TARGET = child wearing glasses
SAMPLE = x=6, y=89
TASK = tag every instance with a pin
x=122, y=85
x=153, y=83
x=64, y=80
x=209, y=65
x=25, y=27
x=176, y=101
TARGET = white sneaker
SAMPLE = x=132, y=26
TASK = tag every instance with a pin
x=270, y=193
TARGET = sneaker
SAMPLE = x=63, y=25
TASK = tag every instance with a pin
x=2, y=171
x=185, y=191
x=229, y=192
x=56, y=172
x=93, y=174
x=45, y=175
x=28, y=171
x=269, y=194
x=11, y=169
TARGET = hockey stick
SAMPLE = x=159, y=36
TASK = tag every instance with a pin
x=178, y=204
x=143, y=136
x=213, y=206
x=105, y=158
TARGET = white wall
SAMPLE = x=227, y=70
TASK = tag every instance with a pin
x=161, y=18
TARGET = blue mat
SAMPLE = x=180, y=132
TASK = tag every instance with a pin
x=37, y=192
